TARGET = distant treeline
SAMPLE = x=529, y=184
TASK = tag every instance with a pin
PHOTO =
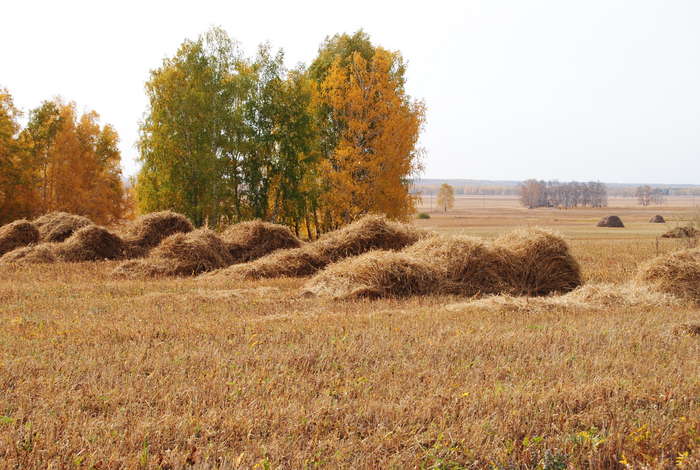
x=535, y=193
x=468, y=190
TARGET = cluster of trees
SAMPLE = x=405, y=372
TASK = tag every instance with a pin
x=535, y=193
x=226, y=136
x=60, y=160
x=646, y=195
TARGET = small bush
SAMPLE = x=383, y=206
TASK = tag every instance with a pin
x=423, y=215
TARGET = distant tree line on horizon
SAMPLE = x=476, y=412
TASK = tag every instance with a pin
x=534, y=193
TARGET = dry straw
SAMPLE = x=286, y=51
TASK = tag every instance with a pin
x=19, y=233
x=368, y=233
x=248, y=241
x=149, y=230
x=182, y=254
x=687, y=231
x=676, y=273
x=525, y=262
x=610, y=221
x=58, y=226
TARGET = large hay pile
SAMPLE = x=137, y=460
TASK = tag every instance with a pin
x=657, y=219
x=17, y=234
x=675, y=273
x=181, y=254
x=248, y=241
x=58, y=226
x=611, y=221
x=91, y=243
x=525, y=262
x=536, y=262
x=369, y=233
x=149, y=230
x=687, y=231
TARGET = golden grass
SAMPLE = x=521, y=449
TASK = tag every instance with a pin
x=104, y=373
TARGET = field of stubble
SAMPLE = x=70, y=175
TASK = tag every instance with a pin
x=103, y=373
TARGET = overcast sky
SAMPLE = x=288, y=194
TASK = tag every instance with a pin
x=574, y=90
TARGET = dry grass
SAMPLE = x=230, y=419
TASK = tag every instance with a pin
x=367, y=234
x=106, y=373
x=17, y=234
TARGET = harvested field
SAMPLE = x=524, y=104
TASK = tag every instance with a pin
x=367, y=234
x=17, y=234
x=103, y=372
x=58, y=226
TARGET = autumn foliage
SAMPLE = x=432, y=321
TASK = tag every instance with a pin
x=60, y=161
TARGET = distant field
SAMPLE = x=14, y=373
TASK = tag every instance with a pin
x=104, y=373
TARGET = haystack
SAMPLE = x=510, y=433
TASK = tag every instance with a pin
x=58, y=226
x=611, y=221
x=526, y=262
x=657, y=219
x=149, y=230
x=181, y=254
x=676, y=273
x=17, y=234
x=251, y=240
x=687, y=231
x=369, y=233
x=42, y=253
x=91, y=243
x=376, y=274
x=536, y=262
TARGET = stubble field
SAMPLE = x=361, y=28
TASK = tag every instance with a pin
x=97, y=372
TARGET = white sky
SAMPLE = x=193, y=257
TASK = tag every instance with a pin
x=585, y=89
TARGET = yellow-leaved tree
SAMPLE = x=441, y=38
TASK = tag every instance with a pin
x=375, y=126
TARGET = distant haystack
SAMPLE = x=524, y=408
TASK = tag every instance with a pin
x=181, y=254
x=657, y=219
x=251, y=240
x=58, y=226
x=536, y=262
x=676, y=273
x=17, y=234
x=527, y=262
x=611, y=221
x=687, y=231
x=369, y=233
x=149, y=230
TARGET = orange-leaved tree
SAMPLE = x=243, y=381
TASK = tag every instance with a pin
x=376, y=126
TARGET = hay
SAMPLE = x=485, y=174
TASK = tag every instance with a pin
x=248, y=241
x=687, y=231
x=611, y=221
x=90, y=243
x=530, y=262
x=149, y=230
x=17, y=234
x=367, y=234
x=676, y=273
x=181, y=254
x=536, y=262
x=657, y=219
x=35, y=254
x=588, y=297
x=686, y=329
x=376, y=274
x=58, y=226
